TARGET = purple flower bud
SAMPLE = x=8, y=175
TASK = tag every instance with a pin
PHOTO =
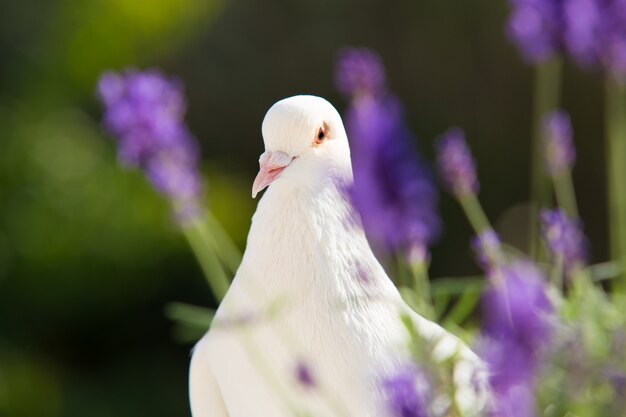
x=517, y=308
x=564, y=237
x=617, y=54
x=487, y=246
x=145, y=112
x=406, y=393
x=111, y=88
x=456, y=165
x=517, y=401
x=582, y=21
x=359, y=71
x=595, y=34
x=535, y=27
x=557, y=136
x=617, y=379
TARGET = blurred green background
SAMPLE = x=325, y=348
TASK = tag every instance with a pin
x=89, y=255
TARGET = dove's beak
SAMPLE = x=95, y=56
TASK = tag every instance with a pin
x=271, y=163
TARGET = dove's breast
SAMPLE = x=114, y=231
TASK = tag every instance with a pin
x=309, y=298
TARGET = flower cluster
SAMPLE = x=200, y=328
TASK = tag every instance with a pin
x=456, y=165
x=145, y=111
x=564, y=237
x=394, y=192
x=360, y=72
x=487, y=246
x=593, y=32
x=560, y=154
x=407, y=393
x=516, y=330
x=535, y=26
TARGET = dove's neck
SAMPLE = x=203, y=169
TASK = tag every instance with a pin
x=309, y=244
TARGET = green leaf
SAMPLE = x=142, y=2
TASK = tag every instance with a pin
x=416, y=302
x=191, y=322
x=440, y=304
x=190, y=315
x=604, y=271
x=457, y=285
x=464, y=307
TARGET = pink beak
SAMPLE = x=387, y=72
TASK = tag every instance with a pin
x=271, y=163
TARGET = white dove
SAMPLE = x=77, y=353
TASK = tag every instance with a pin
x=309, y=297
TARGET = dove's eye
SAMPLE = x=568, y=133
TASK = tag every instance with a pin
x=321, y=134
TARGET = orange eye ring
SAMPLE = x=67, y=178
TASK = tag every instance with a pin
x=321, y=134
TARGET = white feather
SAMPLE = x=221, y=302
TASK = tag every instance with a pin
x=309, y=290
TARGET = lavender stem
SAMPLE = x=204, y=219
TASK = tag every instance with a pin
x=201, y=244
x=565, y=195
x=226, y=249
x=556, y=275
x=474, y=212
x=421, y=285
x=547, y=90
x=615, y=113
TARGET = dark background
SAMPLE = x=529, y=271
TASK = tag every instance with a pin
x=89, y=255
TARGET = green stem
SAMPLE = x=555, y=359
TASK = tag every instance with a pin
x=202, y=246
x=556, y=275
x=547, y=90
x=421, y=286
x=615, y=113
x=400, y=270
x=565, y=195
x=222, y=243
x=474, y=212
x=421, y=282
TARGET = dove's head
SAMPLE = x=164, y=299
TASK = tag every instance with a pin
x=305, y=144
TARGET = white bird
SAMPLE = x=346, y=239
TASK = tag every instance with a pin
x=309, y=295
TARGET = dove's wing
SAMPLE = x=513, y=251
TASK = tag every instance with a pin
x=204, y=393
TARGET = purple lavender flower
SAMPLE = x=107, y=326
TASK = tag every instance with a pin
x=517, y=401
x=535, y=26
x=394, y=192
x=582, y=21
x=406, y=393
x=487, y=246
x=516, y=330
x=517, y=307
x=592, y=31
x=456, y=165
x=559, y=150
x=359, y=71
x=595, y=33
x=564, y=237
x=145, y=112
x=617, y=379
